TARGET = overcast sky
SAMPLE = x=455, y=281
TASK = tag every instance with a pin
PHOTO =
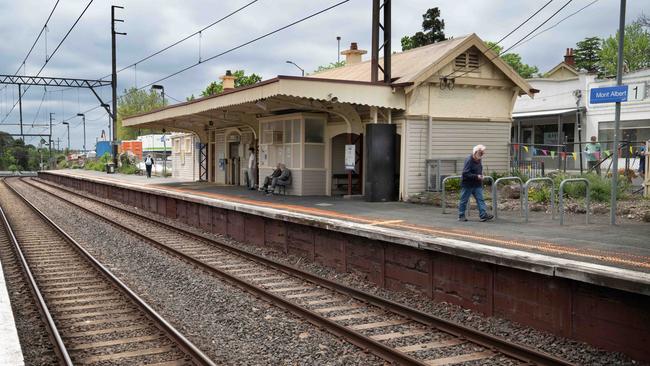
x=152, y=25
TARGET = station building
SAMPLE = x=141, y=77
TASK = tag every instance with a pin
x=443, y=99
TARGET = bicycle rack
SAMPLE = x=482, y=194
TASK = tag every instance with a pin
x=527, y=185
x=443, y=201
x=495, y=193
x=561, y=203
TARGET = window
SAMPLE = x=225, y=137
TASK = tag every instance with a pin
x=176, y=146
x=467, y=60
x=314, y=130
x=188, y=145
x=282, y=140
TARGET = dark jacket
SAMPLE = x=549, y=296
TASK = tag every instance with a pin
x=285, y=177
x=471, y=170
x=276, y=173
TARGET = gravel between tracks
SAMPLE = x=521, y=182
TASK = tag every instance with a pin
x=571, y=350
x=229, y=325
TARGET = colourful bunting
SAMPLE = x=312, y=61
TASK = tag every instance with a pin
x=552, y=154
x=597, y=155
x=525, y=148
x=516, y=146
x=545, y=152
x=607, y=152
x=562, y=155
x=575, y=156
x=631, y=152
x=534, y=150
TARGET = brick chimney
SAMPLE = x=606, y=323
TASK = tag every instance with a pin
x=569, y=59
x=228, y=80
x=353, y=55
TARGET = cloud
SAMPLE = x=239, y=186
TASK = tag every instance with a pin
x=153, y=25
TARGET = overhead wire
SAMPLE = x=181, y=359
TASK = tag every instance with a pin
x=519, y=41
x=53, y=52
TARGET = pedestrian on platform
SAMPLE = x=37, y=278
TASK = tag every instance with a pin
x=252, y=169
x=269, y=178
x=642, y=155
x=592, y=153
x=283, y=180
x=472, y=184
x=148, y=164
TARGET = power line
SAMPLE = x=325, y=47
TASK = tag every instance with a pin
x=247, y=43
x=558, y=23
x=512, y=31
x=54, y=52
x=521, y=39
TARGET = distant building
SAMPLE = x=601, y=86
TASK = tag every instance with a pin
x=443, y=99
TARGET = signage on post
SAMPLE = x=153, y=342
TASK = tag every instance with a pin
x=610, y=94
x=350, y=157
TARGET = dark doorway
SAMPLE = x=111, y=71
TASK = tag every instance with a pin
x=344, y=181
x=234, y=163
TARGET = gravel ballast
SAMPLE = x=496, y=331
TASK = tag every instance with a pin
x=573, y=351
x=228, y=324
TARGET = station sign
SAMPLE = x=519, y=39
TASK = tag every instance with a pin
x=610, y=94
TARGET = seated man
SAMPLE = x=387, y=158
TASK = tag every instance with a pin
x=283, y=180
x=269, y=178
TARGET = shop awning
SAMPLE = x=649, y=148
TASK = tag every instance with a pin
x=552, y=112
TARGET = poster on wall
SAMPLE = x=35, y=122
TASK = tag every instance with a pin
x=350, y=157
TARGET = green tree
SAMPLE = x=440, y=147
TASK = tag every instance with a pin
x=433, y=31
x=135, y=101
x=332, y=65
x=514, y=60
x=636, y=50
x=241, y=80
x=587, y=54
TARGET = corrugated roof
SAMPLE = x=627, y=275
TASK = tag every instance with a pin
x=405, y=66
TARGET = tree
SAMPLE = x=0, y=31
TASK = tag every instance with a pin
x=332, y=65
x=514, y=60
x=135, y=101
x=241, y=80
x=433, y=31
x=636, y=50
x=587, y=54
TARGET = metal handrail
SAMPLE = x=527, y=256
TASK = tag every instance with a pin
x=443, y=200
x=495, y=193
x=561, y=203
x=527, y=185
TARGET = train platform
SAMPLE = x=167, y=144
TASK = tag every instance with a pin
x=614, y=256
x=11, y=353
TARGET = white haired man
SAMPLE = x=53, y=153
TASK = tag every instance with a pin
x=472, y=184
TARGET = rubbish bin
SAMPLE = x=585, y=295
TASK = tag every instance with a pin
x=110, y=168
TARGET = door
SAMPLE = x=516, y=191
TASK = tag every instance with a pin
x=234, y=163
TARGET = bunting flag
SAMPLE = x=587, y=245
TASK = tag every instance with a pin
x=597, y=155
x=552, y=154
x=607, y=152
x=534, y=150
x=515, y=146
x=525, y=148
x=631, y=151
x=562, y=155
x=545, y=152
x=575, y=156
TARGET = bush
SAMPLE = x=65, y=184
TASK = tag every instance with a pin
x=127, y=169
x=600, y=187
x=540, y=194
x=452, y=185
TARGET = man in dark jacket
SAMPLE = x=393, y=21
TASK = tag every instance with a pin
x=472, y=184
x=283, y=180
x=269, y=178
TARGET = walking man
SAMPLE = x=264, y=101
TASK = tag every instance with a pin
x=592, y=152
x=148, y=163
x=472, y=184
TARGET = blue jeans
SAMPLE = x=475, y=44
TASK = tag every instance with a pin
x=465, y=193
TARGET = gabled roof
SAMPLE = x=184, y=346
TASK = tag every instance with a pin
x=418, y=64
x=562, y=67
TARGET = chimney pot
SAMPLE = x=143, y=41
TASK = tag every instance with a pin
x=228, y=80
x=353, y=55
x=569, y=59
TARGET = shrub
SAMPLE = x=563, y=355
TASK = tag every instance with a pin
x=452, y=185
x=540, y=194
x=127, y=169
x=600, y=187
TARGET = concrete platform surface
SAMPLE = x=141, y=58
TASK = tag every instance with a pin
x=598, y=248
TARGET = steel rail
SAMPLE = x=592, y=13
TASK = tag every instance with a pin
x=60, y=348
x=504, y=346
x=190, y=349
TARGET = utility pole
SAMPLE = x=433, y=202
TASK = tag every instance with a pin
x=114, y=80
x=83, y=116
x=20, y=109
x=617, y=115
x=58, y=144
x=67, y=124
x=377, y=25
x=49, y=143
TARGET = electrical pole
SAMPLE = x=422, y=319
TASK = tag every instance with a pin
x=113, y=138
x=338, y=49
x=67, y=124
x=49, y=143
x=83, y=118
x=617, y=115
x=20, y=109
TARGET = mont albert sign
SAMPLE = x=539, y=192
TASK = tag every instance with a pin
x=613, y=94
x=610, y=94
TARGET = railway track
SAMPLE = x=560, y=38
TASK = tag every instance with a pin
x=90, y=315
x=397, y=333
